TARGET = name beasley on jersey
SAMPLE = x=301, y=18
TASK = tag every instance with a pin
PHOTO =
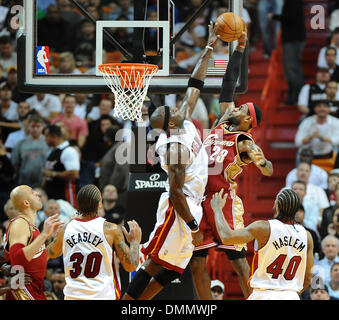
x=289, y=241
x=84, y=237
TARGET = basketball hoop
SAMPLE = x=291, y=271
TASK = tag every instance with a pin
x=129, y=83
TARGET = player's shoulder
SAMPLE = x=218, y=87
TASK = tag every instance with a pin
x=110, y=226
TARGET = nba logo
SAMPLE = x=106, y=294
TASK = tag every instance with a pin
x=42, y=60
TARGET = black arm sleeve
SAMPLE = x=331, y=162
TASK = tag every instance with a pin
x=231, y=76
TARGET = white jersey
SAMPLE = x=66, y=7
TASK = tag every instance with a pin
x=281, y=263
x=88, y=262
x=196, y=173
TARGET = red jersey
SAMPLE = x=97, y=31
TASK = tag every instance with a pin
x=36, y=269
x=225, y=163
x=224, y=167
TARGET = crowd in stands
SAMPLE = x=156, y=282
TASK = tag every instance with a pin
x=79, y=131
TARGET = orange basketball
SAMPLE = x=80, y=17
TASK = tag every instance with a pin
x=229, y=26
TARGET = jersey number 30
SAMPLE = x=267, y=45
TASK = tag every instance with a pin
x=275, y=268
x=92, y=265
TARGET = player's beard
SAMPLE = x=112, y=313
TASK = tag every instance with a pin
x=235, y=121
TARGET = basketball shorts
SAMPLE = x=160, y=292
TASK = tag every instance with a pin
x=259, y=294
x=28, y=292
x=233, y=213
x=170, y=242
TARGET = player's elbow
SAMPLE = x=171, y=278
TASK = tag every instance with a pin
x=175, y=193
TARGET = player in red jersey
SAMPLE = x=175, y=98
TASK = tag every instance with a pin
x=230, y=146
x=25, y=245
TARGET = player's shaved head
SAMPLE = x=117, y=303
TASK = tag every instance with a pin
x=19, y=195
x=158, y=118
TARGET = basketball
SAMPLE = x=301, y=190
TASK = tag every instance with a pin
x=229, y=26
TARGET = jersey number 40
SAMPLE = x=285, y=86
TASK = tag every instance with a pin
x=275, y=268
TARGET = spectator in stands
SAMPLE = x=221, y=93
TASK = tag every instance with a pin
x=293, y=36
x=333, y=285
x=269, y=38
x=193, y=39
x=52, y=207
x=335, y=44
x=114, y=165
x=80, y=109
x=85, y=44
x=319, y=132
x=95, y=148
x=54, y=31
x=77, y=127
x=151, y=34
x=299, y=218
x=10, y=211
x=331, y=63
x=311, y=93
x=333, y=228
x=114, y=212
x=122, y=35
x=61, y=168
x=125, y=7
x=328, y=214
x=14, y=137
x=217, y=290
x=317, y=177
x=59, y=282
x=314, y=194
x=334, y=19
x=66, y=210
x=105, y=108
x=320, y=294
x=94, y=12
x=332, y=97
x=48, y=105
x=12, y=80
x=330, y=248
x=67, y=13
x=6, y=178
x=67, y=63
x=29, y=155
x=333, y=179
x=311, y=211
x=8, y=108
x=8, y=58
x=2, y=77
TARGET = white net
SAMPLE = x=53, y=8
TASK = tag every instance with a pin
x=129, y=84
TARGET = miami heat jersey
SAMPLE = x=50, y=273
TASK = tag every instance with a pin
x=224, y=162
x=281, y=263
x=88, y=262
x=196, y=172
x=36, y=268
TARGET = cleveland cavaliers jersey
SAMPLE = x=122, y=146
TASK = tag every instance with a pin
x=196, y=172
x=281, y=263
x=224, y=161
x=88, y=262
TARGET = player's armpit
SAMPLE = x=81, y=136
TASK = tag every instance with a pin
x=128, y=256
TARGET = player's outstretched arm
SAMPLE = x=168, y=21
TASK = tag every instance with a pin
x=196, y=81
x=231, y=76
x=309, y=263
x=128, y=255
x=256, y=230
x=256, y=155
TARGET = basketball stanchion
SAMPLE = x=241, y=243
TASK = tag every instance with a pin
x=129, y=83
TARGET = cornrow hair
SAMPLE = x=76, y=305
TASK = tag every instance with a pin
x=288, y=204
x=88, y=199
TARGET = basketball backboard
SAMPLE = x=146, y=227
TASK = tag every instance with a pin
x=51, y=40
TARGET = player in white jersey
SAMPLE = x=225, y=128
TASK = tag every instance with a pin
x=184, y=159
x=87, y=243
x=283, y=259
